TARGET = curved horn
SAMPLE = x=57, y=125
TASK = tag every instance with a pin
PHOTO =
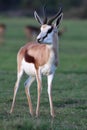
x=43, y=3
x=44, y=13
x=54, y=17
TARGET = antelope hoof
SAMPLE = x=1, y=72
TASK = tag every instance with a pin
x=52, y=114
x=11, y=111
x=37, y=114
x=32, y=114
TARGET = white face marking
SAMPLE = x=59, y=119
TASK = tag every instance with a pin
x=45, y=28
x=45, y=35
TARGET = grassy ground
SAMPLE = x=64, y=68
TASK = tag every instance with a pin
x=69, y=85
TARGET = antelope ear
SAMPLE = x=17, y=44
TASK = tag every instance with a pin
x=37, y=17
x=60, y=17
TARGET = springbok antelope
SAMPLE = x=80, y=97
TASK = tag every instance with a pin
x=2, y=32
x=2, y=29
x=39, y=58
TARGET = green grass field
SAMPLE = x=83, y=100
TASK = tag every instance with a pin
x=69, y=86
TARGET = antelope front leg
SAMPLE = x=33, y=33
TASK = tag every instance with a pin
x=15, y=89
x=27, y=84
x=39, y=83
x=50, y=78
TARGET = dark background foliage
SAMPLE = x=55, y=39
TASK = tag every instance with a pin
x=73, y=8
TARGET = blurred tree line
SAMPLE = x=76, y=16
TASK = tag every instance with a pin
x=14, y=4
x=52, y=5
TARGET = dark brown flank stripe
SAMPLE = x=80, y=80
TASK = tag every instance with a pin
x=30, y=59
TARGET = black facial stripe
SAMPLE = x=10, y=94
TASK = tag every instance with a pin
x=49, y=31
x=45, y=36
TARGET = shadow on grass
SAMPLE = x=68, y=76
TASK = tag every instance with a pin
x=69, y=102
x=37, y=124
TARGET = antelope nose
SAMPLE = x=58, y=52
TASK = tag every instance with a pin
x=39, y=40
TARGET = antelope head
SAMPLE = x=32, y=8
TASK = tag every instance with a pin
x=48, y=28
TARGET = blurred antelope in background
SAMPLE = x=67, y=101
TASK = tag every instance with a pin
x=38, y=59
x=2, y=32
x=31, y=31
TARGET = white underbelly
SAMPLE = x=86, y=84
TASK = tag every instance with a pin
x=47, y=69
x=29, y=68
